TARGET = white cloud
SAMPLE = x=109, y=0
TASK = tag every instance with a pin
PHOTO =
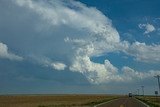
x=144, y=53
x=58, y=66
x=95, y=72
x=130, y=74
x=47, y=62
x=147, y=27
x=5, y=54
x=86, y=18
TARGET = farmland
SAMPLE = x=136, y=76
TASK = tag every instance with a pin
x=53, y=100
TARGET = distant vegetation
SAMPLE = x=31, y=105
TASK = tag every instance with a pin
x=54, y=100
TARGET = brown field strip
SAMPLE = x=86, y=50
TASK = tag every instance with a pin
x=53, y=100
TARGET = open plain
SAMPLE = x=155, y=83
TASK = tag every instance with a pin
x=53, y=100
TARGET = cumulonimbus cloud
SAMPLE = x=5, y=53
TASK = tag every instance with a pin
x=99, y=37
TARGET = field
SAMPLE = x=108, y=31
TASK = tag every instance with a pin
x=53, y=100
x=152, y=101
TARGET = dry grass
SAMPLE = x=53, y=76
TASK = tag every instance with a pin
x=151, y=100
x=53, y=100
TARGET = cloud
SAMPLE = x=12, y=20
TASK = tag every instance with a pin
x=130, y=74
x=143, y=52
x=95, y=72
x=147, y=27
x=81, y=33
x=47, y=62
x=58, y=66
x=96, y=27
x=5, y=54
x=89, y=21
x=73, y=14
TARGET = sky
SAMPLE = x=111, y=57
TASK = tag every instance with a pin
x=79, y=46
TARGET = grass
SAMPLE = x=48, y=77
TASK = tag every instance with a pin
x=152, y=101
x=54, y=100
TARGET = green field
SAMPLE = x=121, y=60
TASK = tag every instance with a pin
x=54, y=100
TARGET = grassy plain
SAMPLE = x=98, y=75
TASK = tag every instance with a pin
x=152, y=101
x=53, y=100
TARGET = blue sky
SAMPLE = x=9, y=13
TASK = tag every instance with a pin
x=80, y=46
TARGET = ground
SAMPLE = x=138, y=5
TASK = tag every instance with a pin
x=53, y=100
